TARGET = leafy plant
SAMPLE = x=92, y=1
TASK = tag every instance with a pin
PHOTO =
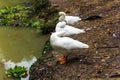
x=14, y=16
x=36, y=23
x=20, y=15
x=17, y=72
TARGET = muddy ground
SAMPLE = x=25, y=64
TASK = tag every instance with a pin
x=102, y=60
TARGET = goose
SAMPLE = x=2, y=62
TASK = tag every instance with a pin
x=60, y=43
x=69, y=19
x=69, y=30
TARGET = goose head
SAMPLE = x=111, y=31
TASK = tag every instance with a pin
x=62, y=13
x=62, y=16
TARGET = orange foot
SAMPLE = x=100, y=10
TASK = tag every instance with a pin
x=62, y=60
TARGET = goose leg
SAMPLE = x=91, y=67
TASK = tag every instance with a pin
x=62, y=60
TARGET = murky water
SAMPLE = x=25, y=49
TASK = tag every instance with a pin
x=10, y=2
x=18, y=43
x=2, y=73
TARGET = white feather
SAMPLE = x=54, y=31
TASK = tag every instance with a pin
x=65, y=42
x=69, y=30
x=69, y=19
x=72, y=19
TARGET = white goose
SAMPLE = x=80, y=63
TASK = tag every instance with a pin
x=65, y=43
x=69, y=30
x=68, y=19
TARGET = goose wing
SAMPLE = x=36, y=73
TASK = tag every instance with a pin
x=72, y=19
x=69, y=43
x=72, y=30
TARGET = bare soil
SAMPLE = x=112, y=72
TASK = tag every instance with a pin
x=102, y=60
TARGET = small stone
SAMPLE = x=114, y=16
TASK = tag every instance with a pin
x=106, y=74
x=103, y=60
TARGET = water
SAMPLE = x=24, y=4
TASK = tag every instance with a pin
x=17, y=44
x=20, y=41
x=24, y=62
x=10, y=2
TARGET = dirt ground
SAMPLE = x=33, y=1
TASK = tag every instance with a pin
x=99, y=62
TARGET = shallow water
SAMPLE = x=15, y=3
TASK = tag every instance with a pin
x=10, y=2
x=24, y=62
x=1, y=71
x=19, y=43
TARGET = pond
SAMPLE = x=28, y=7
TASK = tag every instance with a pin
x=18, y=43
x=10, y=2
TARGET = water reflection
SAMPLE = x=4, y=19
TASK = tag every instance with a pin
x=11, y=2
x=17, y=44
x=26, y=63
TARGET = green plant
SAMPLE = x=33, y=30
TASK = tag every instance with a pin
x=49, y=26
x=17, y=72
x=36, y=23
x=47, y=47
x=20, y=15
x=14, y=16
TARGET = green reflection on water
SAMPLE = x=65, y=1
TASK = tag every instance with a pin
x=11, y=2
x=18, y=43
